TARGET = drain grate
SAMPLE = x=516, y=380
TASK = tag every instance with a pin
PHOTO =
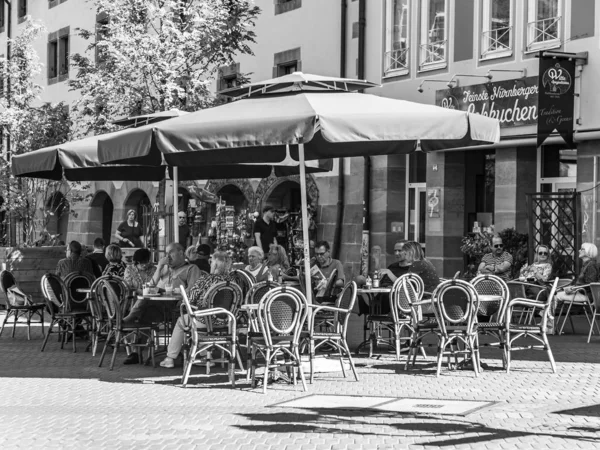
x=387, y=404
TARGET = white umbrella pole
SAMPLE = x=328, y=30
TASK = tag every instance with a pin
x=305, y=224
x=175, y=203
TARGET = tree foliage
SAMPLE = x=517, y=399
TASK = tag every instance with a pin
x=155, y=55
x=30, y=126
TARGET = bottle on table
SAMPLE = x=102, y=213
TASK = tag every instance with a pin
x=368, y=282
x=376, y=279
x=280, y=276
x=270, y=277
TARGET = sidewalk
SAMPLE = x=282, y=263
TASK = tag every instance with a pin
x=58, y=399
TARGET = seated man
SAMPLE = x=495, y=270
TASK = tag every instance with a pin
x=99, y=261
x=74, y=262
x=398, y=268
x=498, y=262
x=327, y=265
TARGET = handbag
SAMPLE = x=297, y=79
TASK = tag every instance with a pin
x=16, y=297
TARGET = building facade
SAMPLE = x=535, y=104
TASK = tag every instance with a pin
x=427, y=51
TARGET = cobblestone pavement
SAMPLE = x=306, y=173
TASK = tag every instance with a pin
x=58, y=399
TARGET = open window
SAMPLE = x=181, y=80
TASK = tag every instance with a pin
x=497, y=29
x=433, y=42
x=544, y=24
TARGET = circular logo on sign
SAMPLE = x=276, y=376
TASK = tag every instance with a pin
x=556, y=80
x=449, y=102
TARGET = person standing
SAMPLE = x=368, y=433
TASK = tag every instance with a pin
x=129, y=232
x=265, y=230
x=498, y=262
x=184, y=229
x=74, y=262
x=99, y=261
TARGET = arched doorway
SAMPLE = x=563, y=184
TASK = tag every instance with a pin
x=57, y=209
x=101, y=213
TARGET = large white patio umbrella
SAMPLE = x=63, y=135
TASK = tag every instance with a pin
x=310, y=125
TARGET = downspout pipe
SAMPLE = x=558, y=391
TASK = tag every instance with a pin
x=337, y=234
x=366, y=231
x=8, y=57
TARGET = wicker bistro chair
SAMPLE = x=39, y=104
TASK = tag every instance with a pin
x=401, y=300
x=244, y=280
x=281, y=316
x=100, y=323
x=494, y=310
x=18, y=306
x=74, y=281
x=218, y=331
x=595, y=291
x=456, y=305
x=522, y=289
x=336, y=338
x=537, y=331
x=574, y=305
x=118, y=331
x=57, y=301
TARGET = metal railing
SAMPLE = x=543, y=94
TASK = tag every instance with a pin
x=433, y=53
x=496, y=40
x=396, y=60
x=543, y=31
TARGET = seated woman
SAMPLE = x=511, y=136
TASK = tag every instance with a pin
x=277, y=260
x=414, y=256
x=219, y=272
x=116, y=266
x=140, y=272
x=256, y=266
x=587, y=274
x=539, y=270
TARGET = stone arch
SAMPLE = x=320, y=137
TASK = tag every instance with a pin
x=100, y=216
x=243, y=185
x=268, y=185
x=137, y=199
x=57, y=208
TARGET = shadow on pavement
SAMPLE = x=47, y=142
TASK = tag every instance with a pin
x=344, y=421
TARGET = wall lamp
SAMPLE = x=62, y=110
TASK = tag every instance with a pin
x=522, y=71
x=448, y=83
x=488, y=76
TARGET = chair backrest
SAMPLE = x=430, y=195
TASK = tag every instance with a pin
x=456, y=304
x=488, y=284
x=547, y=309
x=401, y=299
x=258, y=291
x=243, y=279
x=117, y=284
x=226, y=295
x=111, y=302
x=328, y=292
x=75, y=281
x=282, y=311
x=55, y=293
x=7, y=280
x=345, y=300
x=595, y=290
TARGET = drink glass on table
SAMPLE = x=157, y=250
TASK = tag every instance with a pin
x=169, y=288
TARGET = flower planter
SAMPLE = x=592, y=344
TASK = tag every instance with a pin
x=28, y=265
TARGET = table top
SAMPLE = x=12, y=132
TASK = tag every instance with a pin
x=157, y=297
x=249, y=306
x=84, y=290
x=379, y=290
x=489, y=298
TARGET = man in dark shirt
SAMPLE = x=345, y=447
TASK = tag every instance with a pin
x=184, y=229
x=398, y=268
x=265, y=230
x=74, y=262
x=203, y=253
x=99, y=261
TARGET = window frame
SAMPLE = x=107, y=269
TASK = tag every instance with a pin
x=424, y=7
x=530, y=46
x=389, y=32
x=62, y=41
x=486, y=27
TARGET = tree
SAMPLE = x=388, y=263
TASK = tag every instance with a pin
x=30, y=126
x=156, y=55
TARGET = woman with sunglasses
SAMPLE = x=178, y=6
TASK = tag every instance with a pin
x=498, y=262
x=539, y=270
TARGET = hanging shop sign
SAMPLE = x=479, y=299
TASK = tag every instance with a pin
x=513, y=102
x=556, y=98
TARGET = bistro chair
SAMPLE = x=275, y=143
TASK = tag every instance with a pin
x=281, y=316
x=58, y=306
x=19, y=305
x=73, y=282
x=456, y=305
x=401, y=300
x=117, y=330
x=493, y=296
x=574, y=305
x=536, y=331
x=335, y=338
x=213, y=328
x=595, y=290
x=243, y=279
x=100, y=322
x=523, y=289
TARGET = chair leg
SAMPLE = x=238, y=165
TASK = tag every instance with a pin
x=592, y=326
x=73, y=327
x=188, y=366
x=47, y=335
x=115, y=350
x=252, y=367
x=565, y=319
x=8, y=312
x=299, y=362
x=507, y=346
x=41, y=314
x=108, y=337
x=339, y=347
x=15, y=323
x=549, y=351
x=345, y=345
x=266, y=374
x=441, y=348
x=29, y=314
x=311, y=358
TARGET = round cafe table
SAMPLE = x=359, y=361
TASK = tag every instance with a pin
x=373, y=339
x=167, y=307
